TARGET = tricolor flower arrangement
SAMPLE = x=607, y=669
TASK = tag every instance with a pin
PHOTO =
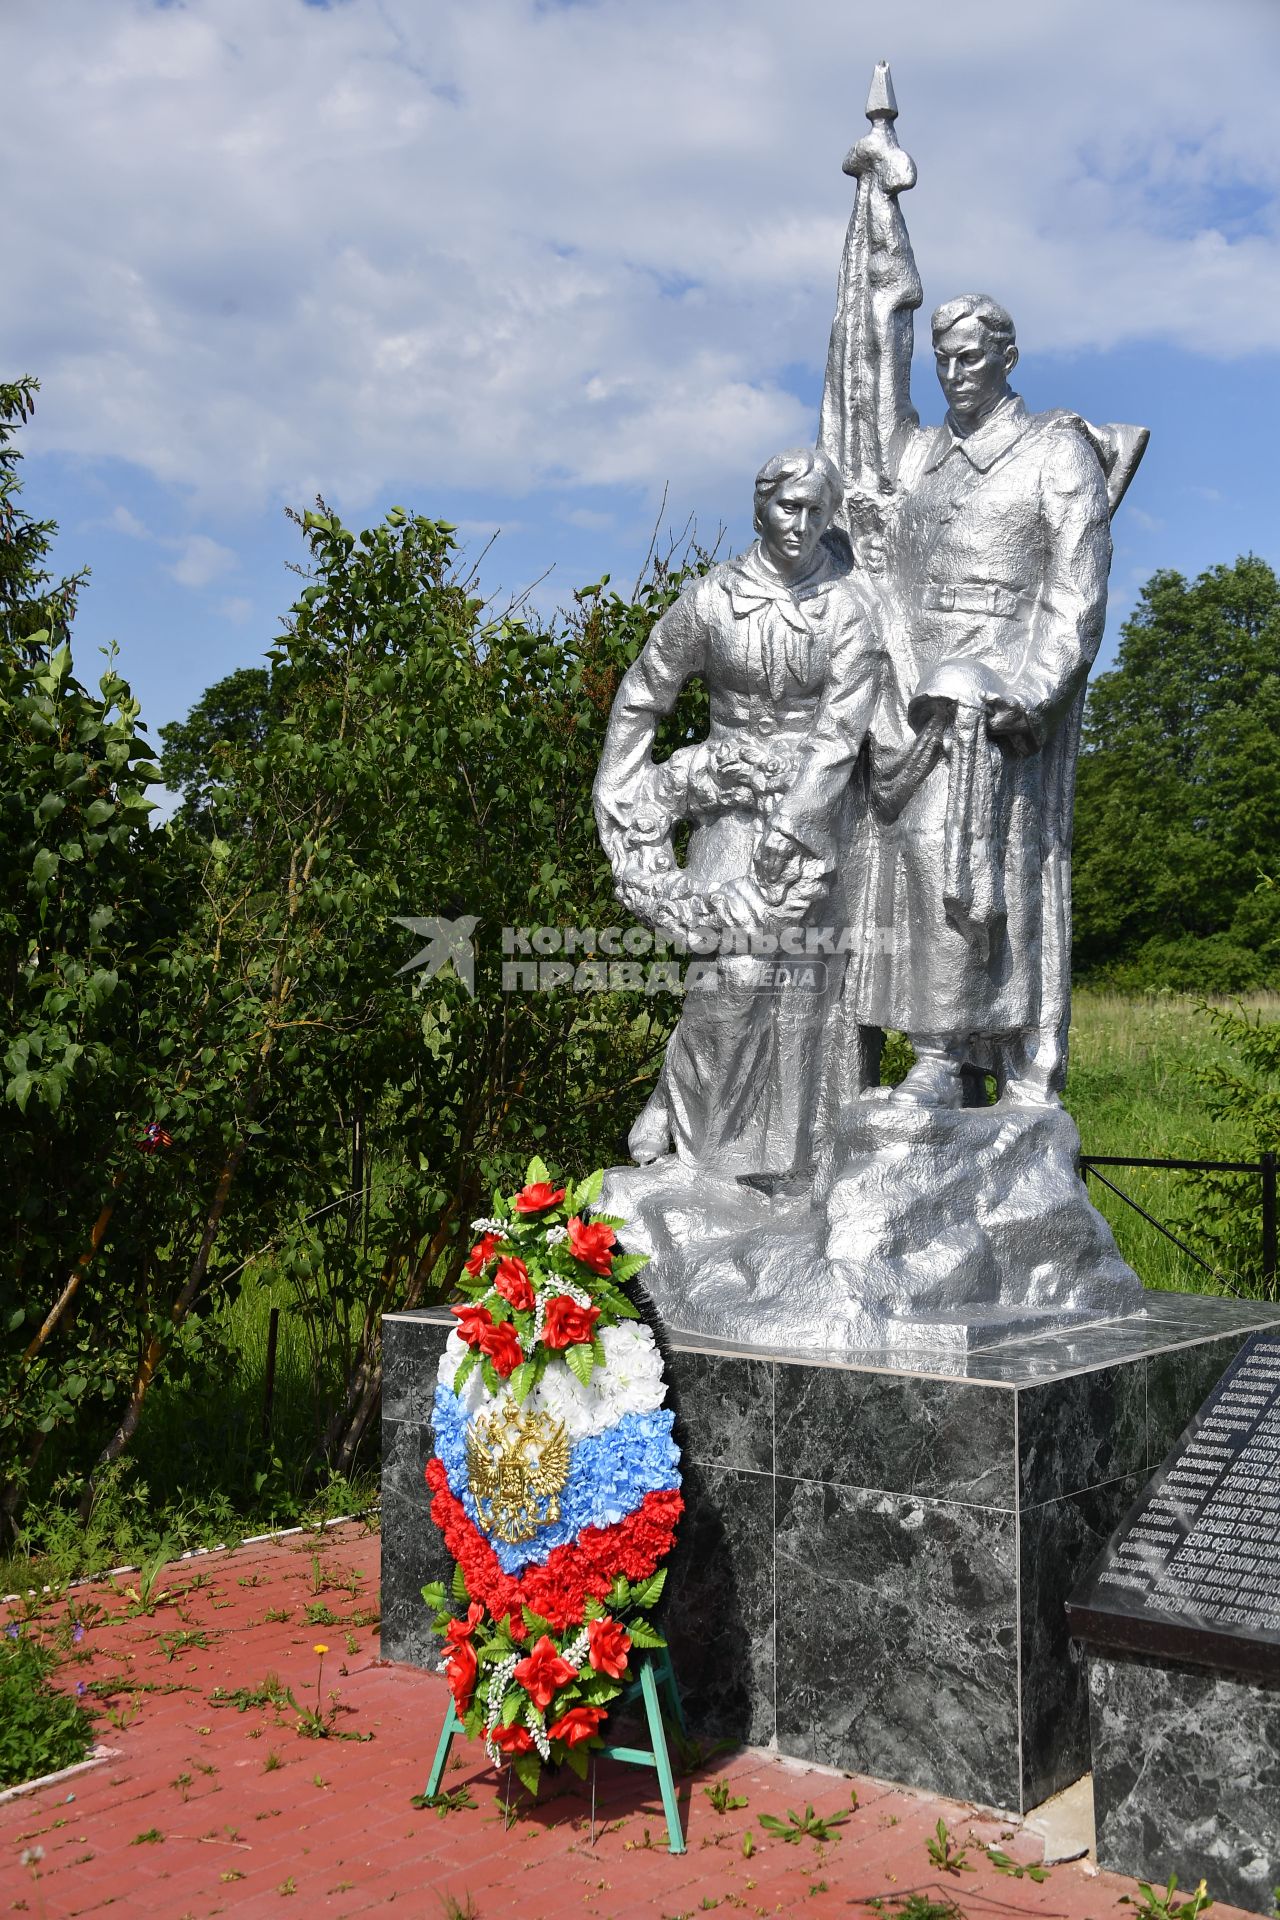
x=555, y=1479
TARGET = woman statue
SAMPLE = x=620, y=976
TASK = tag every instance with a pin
x=776, y=634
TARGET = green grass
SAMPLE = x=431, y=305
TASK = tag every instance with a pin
x=1133, y=1088
x=41, y=1728
x=199, y=1473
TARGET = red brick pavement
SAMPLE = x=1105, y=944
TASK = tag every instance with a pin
x=206, y=1808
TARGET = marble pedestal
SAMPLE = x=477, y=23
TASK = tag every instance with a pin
x=1186, y=1775
x=878, y=1547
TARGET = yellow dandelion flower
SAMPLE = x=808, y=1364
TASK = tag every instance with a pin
x=319, y=1647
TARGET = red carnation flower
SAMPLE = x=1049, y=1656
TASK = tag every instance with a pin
x=577, y=1725
x=512, y=1282
x=566, y=1323
x=592, y=1244
x=538, y=1196
x=543, y=1672
x=512, y=1739
x=582, y=1569
x=482, y=1253
x=473, y=1323
x=461, y=1667
x=498, y=1343
x=608, y=1647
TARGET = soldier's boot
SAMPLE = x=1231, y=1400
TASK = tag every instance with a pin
x=935, y=1080
x=1035, y=1070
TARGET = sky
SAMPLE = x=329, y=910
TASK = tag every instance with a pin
x=564, y=273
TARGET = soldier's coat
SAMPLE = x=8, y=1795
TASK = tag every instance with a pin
x=996, y=570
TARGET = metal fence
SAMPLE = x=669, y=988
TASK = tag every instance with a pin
x=1264, y=1170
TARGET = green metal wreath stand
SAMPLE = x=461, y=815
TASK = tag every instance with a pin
x=655, y=1682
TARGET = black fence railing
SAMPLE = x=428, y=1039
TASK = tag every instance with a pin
x=1264, y=1169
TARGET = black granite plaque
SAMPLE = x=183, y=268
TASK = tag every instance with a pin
x=1193, y=1571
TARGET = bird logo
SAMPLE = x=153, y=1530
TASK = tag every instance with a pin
x=517, y=1464
x=446, y=940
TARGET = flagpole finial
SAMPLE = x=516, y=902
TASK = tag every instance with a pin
x=881, y=102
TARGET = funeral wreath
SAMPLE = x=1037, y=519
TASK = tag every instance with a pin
x=554, y=1480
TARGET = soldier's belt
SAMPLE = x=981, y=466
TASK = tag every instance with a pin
x=973, y=596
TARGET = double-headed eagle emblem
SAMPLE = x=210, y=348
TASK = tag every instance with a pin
x=517, y=1464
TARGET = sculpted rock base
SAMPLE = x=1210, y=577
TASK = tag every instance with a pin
x=926, y=1228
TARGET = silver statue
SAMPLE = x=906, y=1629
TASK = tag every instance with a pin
x=773, y=634
x=897, y=672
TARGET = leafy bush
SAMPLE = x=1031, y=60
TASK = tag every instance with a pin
x=41, y=1728
x=1244, y=1094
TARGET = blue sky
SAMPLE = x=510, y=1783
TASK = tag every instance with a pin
x=525, y=267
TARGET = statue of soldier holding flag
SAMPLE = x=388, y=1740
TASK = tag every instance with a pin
x=991, y=534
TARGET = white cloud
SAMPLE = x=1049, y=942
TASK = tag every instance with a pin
x=272, y=249
x=121, y=520
x=199, y=560
x=237, y=610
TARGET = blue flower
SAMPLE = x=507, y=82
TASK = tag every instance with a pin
x=609, y=1475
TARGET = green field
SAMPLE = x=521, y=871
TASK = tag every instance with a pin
x=1134, y=1087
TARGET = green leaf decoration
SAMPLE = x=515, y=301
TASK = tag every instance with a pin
x=575, y=1758
x=580, y=1360
x=466, y=1367
x=522, y=1381
x=461, y=1592
x=537, y=1172
x=433, y=1594
x=535, y=1622
x=528, y=1771
x=489, y=1374
x=628, y=1266
x=512, y=1705
x=649, y=1592
x=643, y=1635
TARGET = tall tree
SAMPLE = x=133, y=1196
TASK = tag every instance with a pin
x=1178, y=804
x=80, y=919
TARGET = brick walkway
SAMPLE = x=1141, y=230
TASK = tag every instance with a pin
x=209, y=1807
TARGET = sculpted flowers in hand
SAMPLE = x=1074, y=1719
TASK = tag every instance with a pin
x=538, y=1196
x=566, y=1324
x=513, y=1283
x=543, y=1672
x=592, y=1244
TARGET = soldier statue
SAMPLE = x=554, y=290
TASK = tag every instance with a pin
x=992, y=545
x=897, y=673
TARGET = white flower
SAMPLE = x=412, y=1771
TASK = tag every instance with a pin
x=555, y=1235
x=629, y=1382
x=489, y=1226
x=474, y=1389
x=633, y=1368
